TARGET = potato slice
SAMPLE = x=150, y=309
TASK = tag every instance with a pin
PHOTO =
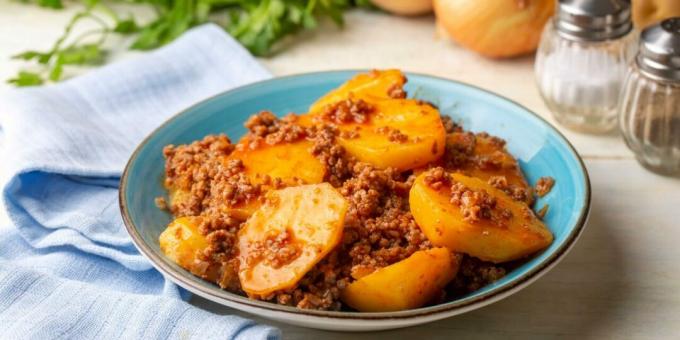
x=181, y=241
x=393, y=132
x=292, y=231
x=506, y=230
x=400, y=133
x=287, y=161
x=409, y=283
x=489, y=159
x=377, y=84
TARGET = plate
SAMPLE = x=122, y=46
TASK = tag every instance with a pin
x=539, y=147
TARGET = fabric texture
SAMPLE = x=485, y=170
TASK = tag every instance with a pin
x=68, y=269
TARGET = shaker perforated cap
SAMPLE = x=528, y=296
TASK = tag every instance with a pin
x=593, y=20
x=659, y=54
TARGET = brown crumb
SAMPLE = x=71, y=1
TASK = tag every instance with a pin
x=449, y=125
x=348, y=111
x=393, y=135
x=161, y=203
x=544, y=185
x=474, y=204
x=475, y=274
x=437, y=178
x=396, y=92
x=541, y=213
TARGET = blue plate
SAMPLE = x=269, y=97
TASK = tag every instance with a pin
x=540, y=148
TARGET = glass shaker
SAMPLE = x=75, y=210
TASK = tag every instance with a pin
x=581, y=62
x=650, y=102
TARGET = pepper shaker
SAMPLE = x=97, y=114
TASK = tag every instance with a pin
x=581, y=62
x=650, y=102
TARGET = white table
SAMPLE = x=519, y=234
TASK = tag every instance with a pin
x=622, y=278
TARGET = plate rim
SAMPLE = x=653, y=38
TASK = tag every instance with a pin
x=493, y=295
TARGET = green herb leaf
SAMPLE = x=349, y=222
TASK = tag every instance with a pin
x=56, y=4
x=127, y=26
x=81, y=55
x=25, y=78
x=257, y=24
x=29, y=55
x=57, y=69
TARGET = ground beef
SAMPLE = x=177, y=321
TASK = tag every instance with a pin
x=473, y=275
x=161, y=203
x=276, y=250
x=190, y=170
x=542, y=212
x=265, y=127
x=544, y=185
x=473, y=204
x=393, y=135
x=331, y=155
x=348, y=111
x=460, y=156
x=449, y=125
x=396, y=92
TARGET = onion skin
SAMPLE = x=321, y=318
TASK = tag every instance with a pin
x=496, y=29
x=648, y=12
x=405, y=7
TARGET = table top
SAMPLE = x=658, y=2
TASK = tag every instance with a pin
x=618, y=282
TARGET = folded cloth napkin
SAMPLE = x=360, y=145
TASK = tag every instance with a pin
x=67, y=267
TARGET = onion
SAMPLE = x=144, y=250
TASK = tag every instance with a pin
x=405, y=7
x=647, y=12
x=495, y=28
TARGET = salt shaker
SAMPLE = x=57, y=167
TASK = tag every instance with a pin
x=650, y=101
x=581, y=62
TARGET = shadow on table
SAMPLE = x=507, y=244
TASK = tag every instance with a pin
x=580, y=295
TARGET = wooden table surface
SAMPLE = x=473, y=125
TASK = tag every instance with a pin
x=621, y=280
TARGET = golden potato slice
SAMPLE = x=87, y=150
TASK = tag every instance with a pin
x=402, y=134
x=377, y=125
x=292, y=231
x=487, y=157
x=476, y=218
x=181, y=241
x=184, y=244
x=409, y=283
x=399, y=133
x=287, y=161
x=377, y=84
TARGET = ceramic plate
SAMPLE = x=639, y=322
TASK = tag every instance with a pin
x=540, y=149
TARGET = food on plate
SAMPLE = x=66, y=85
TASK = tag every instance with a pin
x=370, y=201
x=483, y=156
x=405, y=7
x=291, y=232
x=409, y=283
x=376, y=84
x=381, y=131
x=468, y=215
x=497, y=29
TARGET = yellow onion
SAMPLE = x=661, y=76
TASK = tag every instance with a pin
x=495, y=28
x=647, y=12
x=405, y=7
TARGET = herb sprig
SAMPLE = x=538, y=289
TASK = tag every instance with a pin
x=257, y=24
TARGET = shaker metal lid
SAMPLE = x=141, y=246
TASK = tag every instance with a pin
x=659, y=54
x=593, y=20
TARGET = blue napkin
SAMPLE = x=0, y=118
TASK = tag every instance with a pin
x=67, y=267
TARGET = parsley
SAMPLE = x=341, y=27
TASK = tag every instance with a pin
x=257, y=24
